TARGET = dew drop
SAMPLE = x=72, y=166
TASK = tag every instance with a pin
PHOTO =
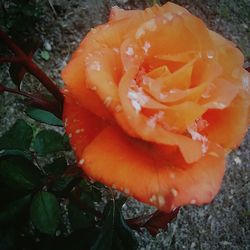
x=169, y=16
x=95, y=66
x=107, y=101
x=161, y=200
x=81, y=162
x=130, y=51
x=118, y=108
x=151, y=25
x=139, y=33
x=146, y=47
x=210, y=54
x=174, y=192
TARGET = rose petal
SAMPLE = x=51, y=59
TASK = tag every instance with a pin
x=228, y=126
x=154, y=134
x=171, y=32
x=178, y=91
x=205, y=70
x=103, y=71
x=199, y=31
x=131, y=54
x=74, y=78
x=178, y=96
x=81, y=125
x=229, y=58
x=221, y=95
x=162, y=71
x=180, y=79
x=182, y=115
x=141, y=170
x=179, y=57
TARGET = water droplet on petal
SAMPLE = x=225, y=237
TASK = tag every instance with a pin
x=161, y=200
x=152, y=198
x=139, y=33
x=130, y=51
x=169, y=16
x=118, y=108
x=95, y=66
x=210, y=54
x=174, y=192
x=214, y=154
x=146, y=47
x=150, y=25
x=81, y=162
x=107, y=101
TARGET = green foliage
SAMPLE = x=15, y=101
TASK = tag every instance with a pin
x=115, y=234
x=45, y=212
x=62, y=183
x=57, y=167
x=19, y=173
x=49, y=141
x=43, y=116
x=19, y=136
x=80, y=219
x=16, y=152
x=32, y=192
x=89, y=194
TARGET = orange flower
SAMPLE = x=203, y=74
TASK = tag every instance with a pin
x=154, y=101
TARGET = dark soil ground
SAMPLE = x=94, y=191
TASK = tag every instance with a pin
x=223, y=224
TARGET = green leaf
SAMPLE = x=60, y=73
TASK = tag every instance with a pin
x=45, y=212
x=62, y=183
x=13, y=209
x=89, y=193
x=16, y=152
x=115, y=234
x=99, y=185
x=19, y=136
x=49, y=141
x=45, y=55
x=78, y=218
x=57, y=167
x=125, y=238
x=19, y=173
x=43, y=116
x=90, y=197
x=85, y=186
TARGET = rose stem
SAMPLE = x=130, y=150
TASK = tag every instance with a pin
x=33, y=68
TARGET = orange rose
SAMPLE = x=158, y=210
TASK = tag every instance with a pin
x=154, y=101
